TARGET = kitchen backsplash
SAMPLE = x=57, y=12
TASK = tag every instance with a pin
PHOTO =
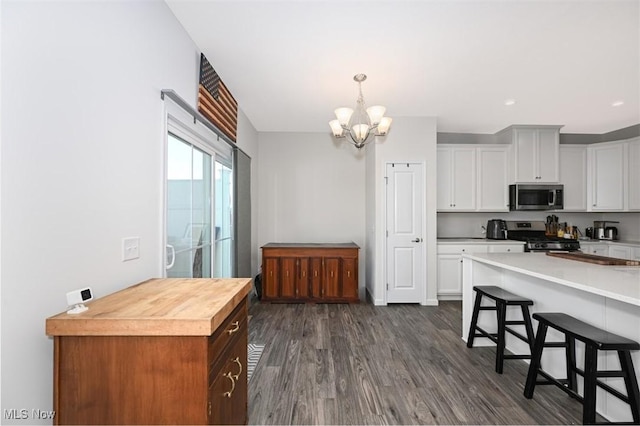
x=469, y=224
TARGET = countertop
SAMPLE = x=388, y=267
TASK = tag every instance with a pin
x=311, y=245
x=620, y=283
x=470, y=240
x=156, y=307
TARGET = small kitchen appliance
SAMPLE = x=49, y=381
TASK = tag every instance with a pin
x=497, y=229
x=535, y=238
x=536, y=197
x=603, y=232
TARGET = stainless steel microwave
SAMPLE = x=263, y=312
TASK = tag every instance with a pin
x=536, y=197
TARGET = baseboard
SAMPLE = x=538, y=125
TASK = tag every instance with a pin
x=432, y=302
x=444, y=297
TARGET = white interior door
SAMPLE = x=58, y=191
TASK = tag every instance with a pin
x=405, y=240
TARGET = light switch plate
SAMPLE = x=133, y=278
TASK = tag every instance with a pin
x=130, y=248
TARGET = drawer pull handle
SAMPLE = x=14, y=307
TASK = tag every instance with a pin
x=237, y=361
x=233, y=385
x=236, y=327
x=349, y=274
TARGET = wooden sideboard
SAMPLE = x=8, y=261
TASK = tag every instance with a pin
x=293, y=272
x=165, y=351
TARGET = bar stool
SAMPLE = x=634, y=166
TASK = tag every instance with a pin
x=595, y=339
x=503, y=299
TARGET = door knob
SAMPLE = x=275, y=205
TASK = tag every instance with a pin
x=417, y=240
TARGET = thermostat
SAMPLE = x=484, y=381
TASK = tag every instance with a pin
x=76, y=298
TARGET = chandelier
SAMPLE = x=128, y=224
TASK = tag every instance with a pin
x=363, y=123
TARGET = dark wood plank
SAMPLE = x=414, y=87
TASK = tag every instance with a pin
x=400, y=364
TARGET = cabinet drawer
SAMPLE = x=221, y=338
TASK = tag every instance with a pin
x=460, y=249
x=234, y=325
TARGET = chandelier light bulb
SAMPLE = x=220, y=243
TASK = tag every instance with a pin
x=384, y=125
x=344, y=115
x=360, y=131
x=336, y=128
x=376, y=113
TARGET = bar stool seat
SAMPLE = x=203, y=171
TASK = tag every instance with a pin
x=502, y=298
x=595, y=339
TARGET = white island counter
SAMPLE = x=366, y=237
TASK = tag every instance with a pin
x=604, y=296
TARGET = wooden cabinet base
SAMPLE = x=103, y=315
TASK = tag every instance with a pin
x=321, y=273
x=154, y=379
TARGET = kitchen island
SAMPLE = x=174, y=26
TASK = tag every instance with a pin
x=165, y=351
x=605, y=296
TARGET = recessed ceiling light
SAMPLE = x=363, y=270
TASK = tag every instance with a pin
x=617, y=103
x=509, y=102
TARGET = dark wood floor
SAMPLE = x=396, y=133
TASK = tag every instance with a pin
x=401, y=364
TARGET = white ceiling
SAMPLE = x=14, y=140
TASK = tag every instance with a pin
x=289, y=64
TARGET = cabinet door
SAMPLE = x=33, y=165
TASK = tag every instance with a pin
x=445, y=173
x=607, y=177
x=464, y=179
x=456, y=178
x=331, y=281
x=634, y=176
x=349, y=278
x=449, y=275
x=493, y=188
x=573, y=175
x=270, y=277
x=621, y=252
x=302, y=277
x=526, y=155
x=288, y=277
x=547, y=155
x=228, y=393
x=315, y=271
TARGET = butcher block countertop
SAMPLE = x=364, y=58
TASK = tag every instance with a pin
x=156, y=307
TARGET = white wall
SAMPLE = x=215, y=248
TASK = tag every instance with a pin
x=82, y=140
x=410, y=139
x=311, y=189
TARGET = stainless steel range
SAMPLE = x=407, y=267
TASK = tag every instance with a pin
x=533, y=232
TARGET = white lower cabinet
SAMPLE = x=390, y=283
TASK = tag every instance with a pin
x=601, y=249
x=621, y=252
x=449, y=276
x=450, y=264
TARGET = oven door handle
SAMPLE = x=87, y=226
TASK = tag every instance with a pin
x=552, y=198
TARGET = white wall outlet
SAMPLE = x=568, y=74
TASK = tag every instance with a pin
x=130, y=248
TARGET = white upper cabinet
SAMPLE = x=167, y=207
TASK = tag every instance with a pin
x=536, y=152
x=493, y=186
x=456, y=179
x=573, y=175
x=633, y=193
x=607, y=169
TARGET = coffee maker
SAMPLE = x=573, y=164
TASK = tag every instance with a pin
x=603, y=232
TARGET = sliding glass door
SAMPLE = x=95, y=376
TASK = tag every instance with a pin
x=189, y=214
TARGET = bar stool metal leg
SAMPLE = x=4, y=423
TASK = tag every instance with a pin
x=590, y=371
x=501, y=313
x=570, y=355
x=631, y=383
x=474, y=320
x=527, y=325
x=538, y=346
